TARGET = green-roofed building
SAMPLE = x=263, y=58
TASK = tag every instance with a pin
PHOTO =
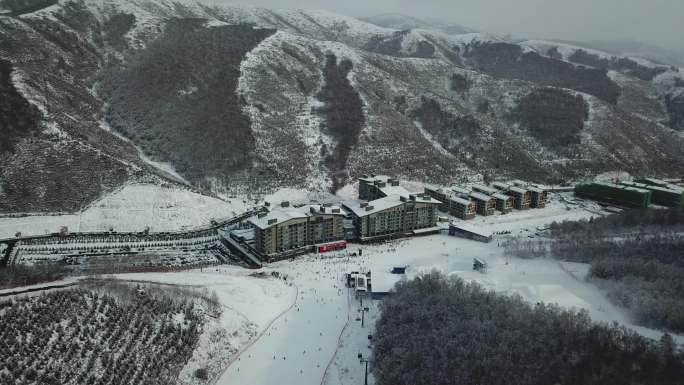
x=615, y=194
x=671, y=196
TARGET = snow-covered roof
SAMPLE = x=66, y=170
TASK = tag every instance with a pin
x=461, y=190
x=374, y=206
x=485, y=189
x=669, y=189
x=501, y=196
x=626, y=188
x=382, y=204
x=279, y=215
x=452, y=195
x=394, y=190
x=247, y=234
x=480, y=197
x=427, y=230
x=376, y=178
x=501, y=185
x=519, y=183
x=383, y=281
x=459, y=200
x=471, y=228
x=517, y=190
x=655, y=181
x=285, y=214
x=440, y=190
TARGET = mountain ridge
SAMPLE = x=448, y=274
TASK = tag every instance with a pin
x=433, y=107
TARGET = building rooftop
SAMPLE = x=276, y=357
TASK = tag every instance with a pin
x=381, y=204
x=535, y=189
x=622, y=187
x=673, y=189
x=247, y=234
x=480, y=197
x=460, y=200
x=471, y=228
x=519, y=183
x=281, y=214
x=395, y=190
x=501, y=196
x=501, y=185
x=378, y=178
x=463, y=192
x=452, y=195
x=485, y=189
x=657, y=182
x=517, y=190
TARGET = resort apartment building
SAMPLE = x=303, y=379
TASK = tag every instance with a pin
x=393, y=215
x=284, y=228
x=379, y=186
x=455, y=203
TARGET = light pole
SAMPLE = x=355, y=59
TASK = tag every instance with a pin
x=364, y=361
x=363, y=312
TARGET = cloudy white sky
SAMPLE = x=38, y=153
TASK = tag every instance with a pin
x=658, y=22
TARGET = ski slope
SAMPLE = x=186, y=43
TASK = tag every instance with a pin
x=298, y=346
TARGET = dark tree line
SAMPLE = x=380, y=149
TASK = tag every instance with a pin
x=508, y=61
x=675, y=108
x=437, y=330
x=460, y=83
x=637, y=255
x=554, y=117
x=344, y=118
x=177, y=98
x=116, y=27
x=18, y=118
x=618, y=64
x=14, y=276
x=18, y=7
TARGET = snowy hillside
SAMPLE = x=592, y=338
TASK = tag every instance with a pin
x=134, y=207
x=399, y=21
x=260, y=110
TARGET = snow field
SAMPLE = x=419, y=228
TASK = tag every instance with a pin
x=249, y=306
x=131, y=209
x=299, y=196
x=256, y=299
x=36, y=225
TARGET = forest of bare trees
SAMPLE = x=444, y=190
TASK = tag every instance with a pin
x=104, y=332
x=636, y=256
x=14, y=276
x=441, y=330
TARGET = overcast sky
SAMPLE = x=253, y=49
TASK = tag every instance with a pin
x=658, y=22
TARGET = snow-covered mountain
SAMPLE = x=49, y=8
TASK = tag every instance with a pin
x=402, y=22
x=236, y=98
